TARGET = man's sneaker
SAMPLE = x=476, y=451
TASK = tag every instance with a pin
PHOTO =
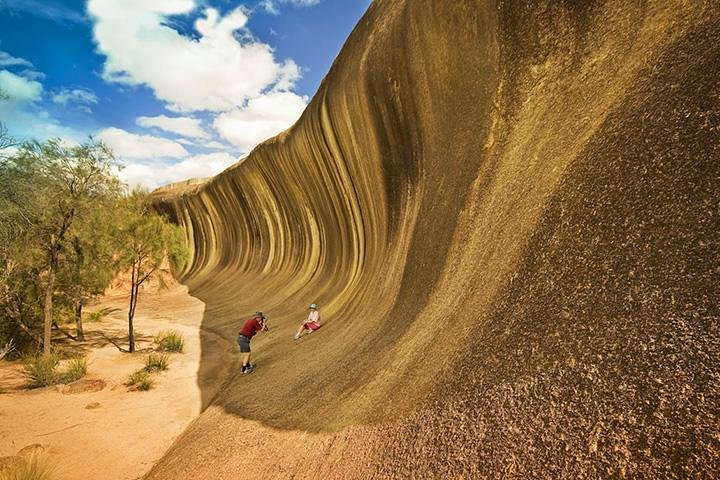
x=248, y=369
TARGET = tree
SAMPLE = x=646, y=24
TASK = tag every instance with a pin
x=45, y=190
x=90, y=258
x=149, y=240
x=6, y=140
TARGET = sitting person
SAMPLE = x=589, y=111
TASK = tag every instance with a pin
x=311, y=324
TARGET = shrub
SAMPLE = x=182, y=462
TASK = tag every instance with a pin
x=170, y=341
x=64, y=314
x=140, y=380
x=41, y=370
x=95, y=316
x=76, y=369
x=27, y=468
x=157, y=362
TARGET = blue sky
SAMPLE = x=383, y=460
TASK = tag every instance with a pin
x=178, y=88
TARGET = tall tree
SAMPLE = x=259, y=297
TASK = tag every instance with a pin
x=45, y=188
x=90, y=257
x=149, y=241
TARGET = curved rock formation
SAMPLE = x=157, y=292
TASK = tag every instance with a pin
x=508, y=212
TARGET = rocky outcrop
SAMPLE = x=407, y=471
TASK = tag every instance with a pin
x=508, y=213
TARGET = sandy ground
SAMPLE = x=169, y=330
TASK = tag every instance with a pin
x=96, y=428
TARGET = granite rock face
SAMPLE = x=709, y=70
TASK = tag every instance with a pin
x=509, y=214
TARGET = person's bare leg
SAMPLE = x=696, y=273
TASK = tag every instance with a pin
x=300, y=331
x=245, y=359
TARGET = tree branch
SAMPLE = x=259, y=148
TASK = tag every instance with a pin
x=63, y=331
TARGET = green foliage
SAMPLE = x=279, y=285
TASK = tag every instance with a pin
x=157, y=362
x=75, y=370
x=140, y=380
x=41, y=370
x=149, y=240
x=33, y=467
x=96, y=316
x=63, y=313
x=169, y=341
x=66, y=230
x=55, y=226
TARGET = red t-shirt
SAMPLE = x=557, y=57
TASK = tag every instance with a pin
x=250, y=328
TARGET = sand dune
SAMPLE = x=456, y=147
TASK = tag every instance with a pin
x=508, y=213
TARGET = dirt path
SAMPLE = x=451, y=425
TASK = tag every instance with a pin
x=96, y=428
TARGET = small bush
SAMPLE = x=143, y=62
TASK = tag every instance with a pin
x=135, y=377
x=41, y=370
x=76, y=369
x=157, y=362
x=95, y=316
x=140, y=380
x=170, y=341
x=27, y=468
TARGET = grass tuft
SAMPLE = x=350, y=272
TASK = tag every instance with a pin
x=95, y=316
x=76, y=369
x=27, y=468
x=41, y=370
x=157, y=362
x=140, y=380
x=170, y=341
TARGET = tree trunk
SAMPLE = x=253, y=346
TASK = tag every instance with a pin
x=131, y=310
x=131, y=334
x=78, y=320
x=131, y=316
x=47, y=338
x=79, y=300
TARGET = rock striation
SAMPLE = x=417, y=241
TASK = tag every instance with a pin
x=509, y=213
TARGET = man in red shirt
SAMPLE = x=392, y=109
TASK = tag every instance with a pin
x=254, y=325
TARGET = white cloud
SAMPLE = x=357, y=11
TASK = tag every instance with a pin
x=22, y=113
x=19, y=89
x=155, y=174
x=81, y=97
x=7, y=60
x=262, y=118
x=214, y=144
x=221, y=67
x=32, y=74
x=271, y=6
x=129, y=145
x=185, y=126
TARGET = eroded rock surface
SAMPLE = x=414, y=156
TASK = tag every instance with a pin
x=509, y=215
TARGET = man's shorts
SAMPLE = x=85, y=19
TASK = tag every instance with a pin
x=244, y=343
